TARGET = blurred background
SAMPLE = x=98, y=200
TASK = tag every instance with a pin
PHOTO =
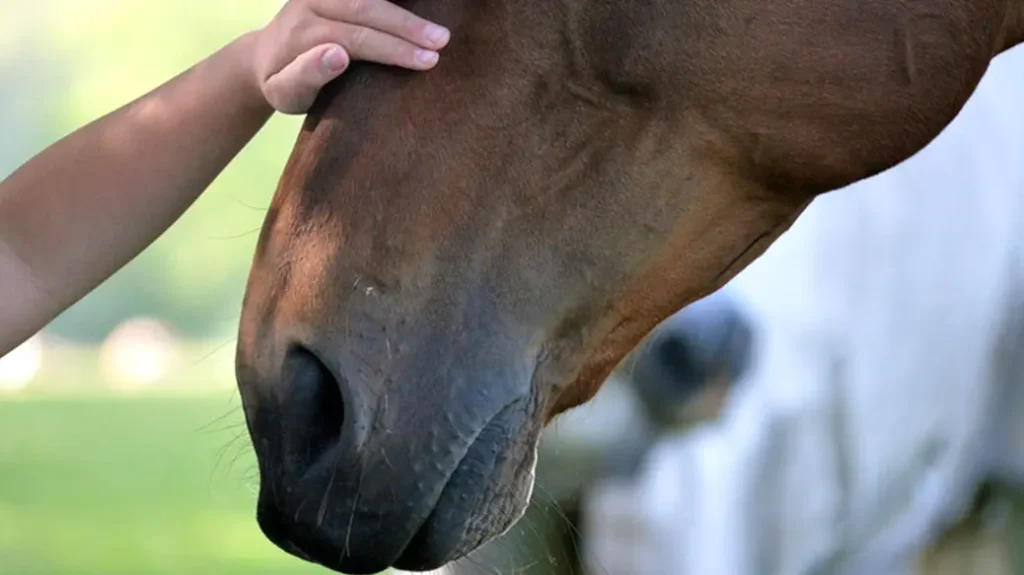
x=122, y=446
x=845, y=406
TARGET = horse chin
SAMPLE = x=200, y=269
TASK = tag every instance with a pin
x=479, y=496
x=484, y=497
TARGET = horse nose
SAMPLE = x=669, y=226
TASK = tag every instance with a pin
x=317, y=412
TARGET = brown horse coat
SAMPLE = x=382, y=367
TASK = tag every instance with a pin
x=453, y=258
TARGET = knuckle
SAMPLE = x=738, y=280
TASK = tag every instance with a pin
x=359, y=38
x=357, y=8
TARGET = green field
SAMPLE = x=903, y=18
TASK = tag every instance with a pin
x=135, y=485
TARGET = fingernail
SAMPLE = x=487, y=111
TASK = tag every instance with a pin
x=437, y=35
x=426, y=57
x=334, y=59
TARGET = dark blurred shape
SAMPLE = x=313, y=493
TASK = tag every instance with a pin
x=683, y=372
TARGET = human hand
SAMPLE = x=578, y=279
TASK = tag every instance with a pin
x=311, y=42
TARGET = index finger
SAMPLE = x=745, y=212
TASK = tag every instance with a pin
x=387, y=17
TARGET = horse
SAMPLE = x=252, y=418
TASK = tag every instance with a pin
x=452, y=259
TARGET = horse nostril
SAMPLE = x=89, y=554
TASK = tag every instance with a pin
x=314, y=400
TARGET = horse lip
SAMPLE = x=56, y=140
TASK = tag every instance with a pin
x=294, y=549
x=451, y=473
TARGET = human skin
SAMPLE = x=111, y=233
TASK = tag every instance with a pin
x=87, y=205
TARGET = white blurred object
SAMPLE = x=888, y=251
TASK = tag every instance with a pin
x=19, y=367
x=139, y=352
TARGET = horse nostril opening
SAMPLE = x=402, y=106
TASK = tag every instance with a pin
x=317, y=407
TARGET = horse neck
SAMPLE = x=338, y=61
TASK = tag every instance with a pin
x=1013, y=26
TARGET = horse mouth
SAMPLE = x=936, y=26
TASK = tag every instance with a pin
x=484, y=493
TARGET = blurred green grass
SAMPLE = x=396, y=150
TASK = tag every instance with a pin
x=98, y=481
x=109, y=484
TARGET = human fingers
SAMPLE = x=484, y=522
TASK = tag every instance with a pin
x=294, y=88
x=363, y=43
x=387, y=17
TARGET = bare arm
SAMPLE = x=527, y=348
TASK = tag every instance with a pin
x=86, y=206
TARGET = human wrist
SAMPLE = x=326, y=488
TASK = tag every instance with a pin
x=240, y=57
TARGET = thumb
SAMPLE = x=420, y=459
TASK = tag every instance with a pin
x=294, y=88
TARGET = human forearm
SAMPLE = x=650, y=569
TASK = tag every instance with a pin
x=86, y=206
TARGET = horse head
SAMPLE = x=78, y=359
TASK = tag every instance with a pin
x=453, y=258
